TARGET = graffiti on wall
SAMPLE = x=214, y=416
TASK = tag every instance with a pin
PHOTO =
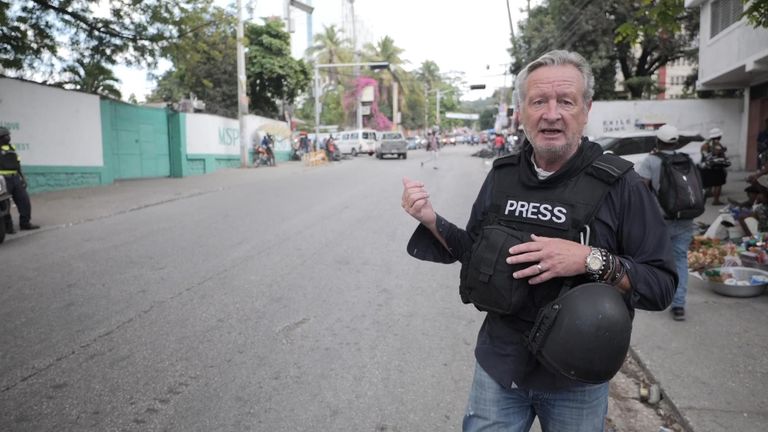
x=15, y=126
x=229, y=136
x=621, y=124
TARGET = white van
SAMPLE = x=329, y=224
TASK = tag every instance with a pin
x=357, y=141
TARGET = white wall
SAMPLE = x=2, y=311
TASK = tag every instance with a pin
x=210, y=134
x=696, y=115
x=51, y=126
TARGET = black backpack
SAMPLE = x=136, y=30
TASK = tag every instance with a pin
x=681, y=192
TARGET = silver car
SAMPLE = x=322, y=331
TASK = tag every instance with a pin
x=392, y=143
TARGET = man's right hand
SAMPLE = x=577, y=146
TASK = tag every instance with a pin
x=416, y=202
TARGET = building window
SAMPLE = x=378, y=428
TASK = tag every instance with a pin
x=724, y=13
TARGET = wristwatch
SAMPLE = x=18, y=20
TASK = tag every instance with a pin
x=595, y=263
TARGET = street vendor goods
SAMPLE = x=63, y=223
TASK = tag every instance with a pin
x=707, y=253
x=737, y=281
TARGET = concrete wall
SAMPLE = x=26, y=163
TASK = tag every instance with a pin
x=696, y=115
x=70, y=139
x=56, y=132
x=213, y=141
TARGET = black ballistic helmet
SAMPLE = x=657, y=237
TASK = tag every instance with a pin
x=583, y=334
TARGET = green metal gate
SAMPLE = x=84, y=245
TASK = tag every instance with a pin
x=137, y=141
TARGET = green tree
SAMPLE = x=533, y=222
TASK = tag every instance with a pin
x=429, y=76
x=273, y=75
x=756, y=12
x=429, y=73
x=91, y=76
x=578, y=26
x=330, y=47
x=37, y=36
x=640, y=36
x=488, y=118
x=412, y=116
x=385, y=50
x=650, y=35
x=204, y=63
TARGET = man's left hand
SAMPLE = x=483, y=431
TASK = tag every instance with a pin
x=549, y=258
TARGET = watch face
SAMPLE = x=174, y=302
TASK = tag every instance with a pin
x=594, y=263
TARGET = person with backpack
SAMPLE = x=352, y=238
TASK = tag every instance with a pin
x=550, y=224
x=676, y=181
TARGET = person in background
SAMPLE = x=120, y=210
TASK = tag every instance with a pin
x=10, y=169
x=762, y=155
x=758, y=211
x=713, y=165
x=511, y=387
x=762, y=146
x=498, y=144
x=432, y=148
x=680, y=231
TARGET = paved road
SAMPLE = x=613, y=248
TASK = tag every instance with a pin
x=270, y=299
x=282, y=300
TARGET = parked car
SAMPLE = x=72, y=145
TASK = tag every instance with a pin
x=634, y=146
x=392, y=143
x=413, y=143
x=357, y=141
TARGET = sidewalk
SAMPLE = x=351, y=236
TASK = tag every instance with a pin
x=713, y=367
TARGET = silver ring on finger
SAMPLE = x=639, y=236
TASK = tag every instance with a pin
x=541, y=269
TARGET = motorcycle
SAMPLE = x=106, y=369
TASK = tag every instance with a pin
x=332, y=152
x=264, y=156
x=296, y=154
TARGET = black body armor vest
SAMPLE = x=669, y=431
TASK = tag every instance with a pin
x=562, y=209
x=9, y=160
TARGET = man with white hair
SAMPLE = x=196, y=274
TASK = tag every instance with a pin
x=583, y=217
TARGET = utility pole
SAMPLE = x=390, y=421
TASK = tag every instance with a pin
x=395, y=112
x=242, y=97
x=426, y=107
x=358, y=110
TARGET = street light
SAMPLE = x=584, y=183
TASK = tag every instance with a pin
x=370, y=65
x=438, y=92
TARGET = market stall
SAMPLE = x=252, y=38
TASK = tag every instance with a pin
x=731, y=267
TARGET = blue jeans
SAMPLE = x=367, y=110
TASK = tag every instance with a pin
x=681, y=234
x=494, y=408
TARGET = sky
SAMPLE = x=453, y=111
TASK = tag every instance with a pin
x=459, y=35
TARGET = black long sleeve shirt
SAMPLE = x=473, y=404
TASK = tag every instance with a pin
x=628, y=224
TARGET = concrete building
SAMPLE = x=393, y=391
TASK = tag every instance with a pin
x=734, y=55
x=671, y=77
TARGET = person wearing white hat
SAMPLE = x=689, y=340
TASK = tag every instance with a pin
x=713, y=165
x=680, y=231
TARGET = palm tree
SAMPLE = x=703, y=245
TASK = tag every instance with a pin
x=429, y=74
x=93, y=77
x=330, y=47
x=385, y=51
